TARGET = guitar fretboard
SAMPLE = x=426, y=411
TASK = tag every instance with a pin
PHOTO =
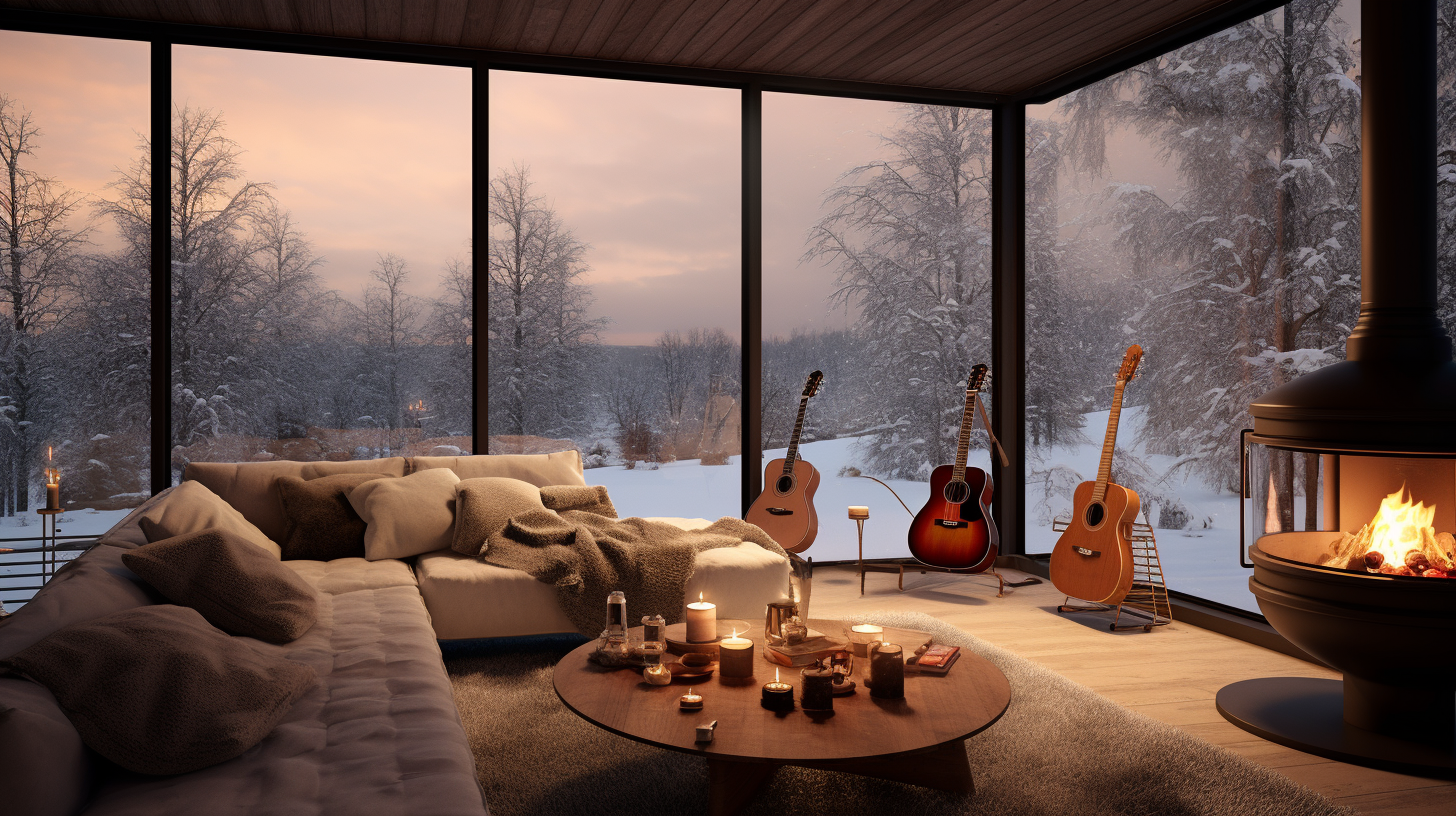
x=794, y=440
x=964, y=448
x=1104, y=468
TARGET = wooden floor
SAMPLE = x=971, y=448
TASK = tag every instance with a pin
x=1170, y=674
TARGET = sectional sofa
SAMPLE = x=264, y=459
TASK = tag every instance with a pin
x=379, y=732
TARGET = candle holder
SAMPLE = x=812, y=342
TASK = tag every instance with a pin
x=818, y=692
x=887, y=671
x=692, y=701
x=778, y=695
x=735, y=657
x=862, y=635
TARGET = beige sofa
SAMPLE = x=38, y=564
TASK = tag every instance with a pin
x=468, y=598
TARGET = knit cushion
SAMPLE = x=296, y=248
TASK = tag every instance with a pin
x=158, y=690
x=190, y=507
x=239, y=588
x=322, y=525
x=484, y=505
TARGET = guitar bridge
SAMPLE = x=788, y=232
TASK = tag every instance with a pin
x=952, y=523
x=1086, y=552
x=780, y=511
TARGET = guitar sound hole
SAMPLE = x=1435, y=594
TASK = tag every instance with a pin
x=1095, y=513
x=957, y=492
x=784, y=484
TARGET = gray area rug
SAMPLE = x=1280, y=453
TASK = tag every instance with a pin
x=1060, y=749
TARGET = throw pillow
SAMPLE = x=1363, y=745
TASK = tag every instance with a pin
x=189, y=508
x=408, y=516
x=322, y=525
x=540, y=469
x=45, y=769
x=239, y=588
x=484, y=505
x=158, y=690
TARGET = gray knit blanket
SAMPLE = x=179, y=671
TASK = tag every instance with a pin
x=576, y=543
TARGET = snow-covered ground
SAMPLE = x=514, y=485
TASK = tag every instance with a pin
x=70, y=523
x=1202, y=560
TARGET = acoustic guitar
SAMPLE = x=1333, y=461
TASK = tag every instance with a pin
x=1093, y=558
x=785, y=508
x=954, y=530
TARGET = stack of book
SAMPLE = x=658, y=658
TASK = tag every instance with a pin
x=937, y=659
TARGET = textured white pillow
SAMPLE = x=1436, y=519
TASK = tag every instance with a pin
x=407, y=516
x=192, y=508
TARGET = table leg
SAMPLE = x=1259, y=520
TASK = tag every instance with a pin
x=732, y=784
x=944, y=767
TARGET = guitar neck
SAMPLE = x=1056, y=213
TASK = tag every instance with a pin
x=964, y=448
x=1104, y=468
x=793, y=455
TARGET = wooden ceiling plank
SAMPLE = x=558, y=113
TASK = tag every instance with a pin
x=665, y=24
x=909, y=21
x=749, y=20
x=965, y=34
x=683, y=30
x=349, y=18
x=817, y=15
x=806, y=62
x=603, y=23
x=510, y=24
x=541, y=25
x=1080, y=41
x=749, y=50
x=384, y=19
x=574, y=22
x=643, y=18
x=417, y=21
x=313, y=16
x=475, y=30
x=449, y=22
x=281, y=15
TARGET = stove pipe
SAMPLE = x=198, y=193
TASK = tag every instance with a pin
x=1396, y=391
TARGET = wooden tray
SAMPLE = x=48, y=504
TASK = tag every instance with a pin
x=677, y=636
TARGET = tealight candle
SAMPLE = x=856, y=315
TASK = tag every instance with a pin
x=691, y=701
x=778, y=695
x=735, y=657
x=862, y=635
x=702, y=618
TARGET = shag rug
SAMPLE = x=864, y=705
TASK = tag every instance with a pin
x=1060, y=749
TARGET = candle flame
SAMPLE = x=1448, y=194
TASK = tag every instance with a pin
x=700, y=597
x=50, y=453
x=735, y=633
x=776, y=675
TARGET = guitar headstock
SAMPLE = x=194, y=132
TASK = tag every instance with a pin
x=811, y=385
x=978, y=377
x=1130, y=361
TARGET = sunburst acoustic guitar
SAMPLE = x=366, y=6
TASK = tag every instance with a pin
x=954, y=529
x=1093, y=558
x=785, y=508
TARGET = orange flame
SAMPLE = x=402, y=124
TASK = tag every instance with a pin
x=1398, y=526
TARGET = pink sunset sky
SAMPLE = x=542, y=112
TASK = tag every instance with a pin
x=375, y=157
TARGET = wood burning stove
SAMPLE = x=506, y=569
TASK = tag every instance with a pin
x=1350, y=472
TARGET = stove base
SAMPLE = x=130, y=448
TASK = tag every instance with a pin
x=1307, y=714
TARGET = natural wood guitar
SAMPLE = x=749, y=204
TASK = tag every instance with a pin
x=1093, y=558
x=954, y=529
x=785, y=508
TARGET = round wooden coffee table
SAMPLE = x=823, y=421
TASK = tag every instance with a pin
x=919, y=739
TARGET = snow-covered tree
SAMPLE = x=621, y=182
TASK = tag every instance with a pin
x=910, y=240
x=1260, y=250
x=541, y=340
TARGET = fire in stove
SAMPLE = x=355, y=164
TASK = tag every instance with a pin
x=1399, y=540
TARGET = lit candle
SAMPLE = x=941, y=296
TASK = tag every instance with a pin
x=862, y=635
x=702, y=620
x=691, y=701
x=53, y=481
x=887, y=671
x=857, y=512
x=778, y=695
x=818, y=691
x=735, y=657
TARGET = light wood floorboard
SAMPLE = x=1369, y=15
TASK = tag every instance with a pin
x=1170, y=674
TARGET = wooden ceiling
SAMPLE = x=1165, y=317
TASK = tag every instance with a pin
x=999, y=48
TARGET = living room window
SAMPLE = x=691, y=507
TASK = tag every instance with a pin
x=75, y=310
x=321, y=257
x=1205, y=204
x=614, y=274
x=876, y=270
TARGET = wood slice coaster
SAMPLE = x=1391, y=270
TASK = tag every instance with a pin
x=678, y=643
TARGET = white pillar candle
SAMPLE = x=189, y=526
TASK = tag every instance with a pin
x=735, y=657
x=702, y=618
x=863, y=634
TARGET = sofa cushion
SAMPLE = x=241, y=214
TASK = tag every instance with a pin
x=45, y=769
x=158, y=690
x=540, y=469
x=235, y=585
x=407, y=516
x=322, y=525
x=93, y=585
x=190, y=508
x=484, y=505
x=248, y=486
x=353, y=574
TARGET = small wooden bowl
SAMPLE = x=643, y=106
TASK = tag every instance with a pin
x=685, y=673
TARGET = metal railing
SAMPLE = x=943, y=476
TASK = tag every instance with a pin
x=34, y=565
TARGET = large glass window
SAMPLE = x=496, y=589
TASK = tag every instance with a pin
x=321, y=272
x=614, y=280
x=876, y=271
x=75, y=263
x=1205, y=204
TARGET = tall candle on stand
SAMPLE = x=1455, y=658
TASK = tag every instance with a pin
x=735, y=657
x=702, y=620
x=53, y=481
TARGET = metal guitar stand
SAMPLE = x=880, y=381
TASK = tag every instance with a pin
x=1148, y=597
